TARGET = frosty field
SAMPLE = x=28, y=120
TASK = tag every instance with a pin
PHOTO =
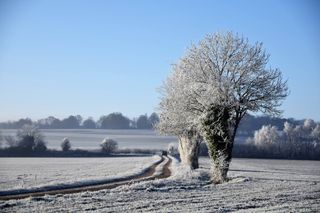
x=255, y=186
x=25, y=173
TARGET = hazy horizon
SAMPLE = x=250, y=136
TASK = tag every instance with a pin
x=131, y=118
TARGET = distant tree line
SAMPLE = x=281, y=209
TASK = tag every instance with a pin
x=112, y=121
x=116, y=120
x=251, y=123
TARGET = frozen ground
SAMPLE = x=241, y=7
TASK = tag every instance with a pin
x=255, y=186
x=26, y=173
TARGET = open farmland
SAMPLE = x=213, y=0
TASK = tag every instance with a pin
x=26, y=173
x=255, y=186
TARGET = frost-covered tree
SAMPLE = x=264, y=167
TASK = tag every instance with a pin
x=288, y=129
x=222, y=78
x=109, y=145
x=176, y=119
x=309, y=124
x=65, y=144
x=289, y=138
x=294, y=142
x=266, y=136
x=316, y=133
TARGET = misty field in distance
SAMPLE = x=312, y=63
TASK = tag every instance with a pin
x=91, y=138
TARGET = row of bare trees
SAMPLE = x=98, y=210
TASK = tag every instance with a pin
x=293, y=142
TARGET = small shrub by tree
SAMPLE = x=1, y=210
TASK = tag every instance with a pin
x=109, y=145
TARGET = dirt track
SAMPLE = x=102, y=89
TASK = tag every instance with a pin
x=148, y=175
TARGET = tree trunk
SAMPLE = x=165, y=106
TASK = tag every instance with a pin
x=189, y=150
x=220, y=165
x=216, y=132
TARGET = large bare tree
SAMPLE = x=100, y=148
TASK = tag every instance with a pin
x=223, y=78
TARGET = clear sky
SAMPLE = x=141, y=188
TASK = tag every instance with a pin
x=96, y=57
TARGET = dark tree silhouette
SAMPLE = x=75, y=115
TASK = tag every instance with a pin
x=143, y=122
x=71, y=122
x=89, y=124
x=114, y=121
x=153, y=119
x=30, y=139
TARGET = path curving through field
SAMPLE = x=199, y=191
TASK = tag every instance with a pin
x=158, y=170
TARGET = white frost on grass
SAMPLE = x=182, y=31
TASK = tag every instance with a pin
x=18, y=174
x=272, y=185
x=181, y=172
x=282, y=170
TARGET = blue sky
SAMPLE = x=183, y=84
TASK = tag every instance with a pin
x=96, y=57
